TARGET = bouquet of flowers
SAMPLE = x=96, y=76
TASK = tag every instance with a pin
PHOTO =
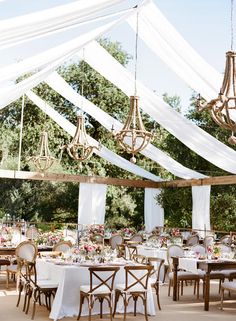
x=127, y=231
x=175, y=232
x=50, y=238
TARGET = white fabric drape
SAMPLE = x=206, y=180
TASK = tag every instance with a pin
x=26, y=27
x=165, y=41
x=201, y=207
x=13, y=92
x=92, y=202
x=183, y=129
x=104, y=152
x=153, y=212
x=62, y=87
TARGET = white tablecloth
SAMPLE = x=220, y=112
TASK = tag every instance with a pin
x=70, y=278
x=188, y=264
x=153, y=252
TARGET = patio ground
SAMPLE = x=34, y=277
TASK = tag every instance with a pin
x=188, y=308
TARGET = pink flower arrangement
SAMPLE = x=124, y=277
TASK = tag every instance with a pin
x=175, y=232
x=209, y=249
x=89, y=248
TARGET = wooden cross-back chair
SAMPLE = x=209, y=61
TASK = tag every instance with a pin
x=115, y=240
x=138, y=258
x=154, y=279
x=136, y=285
x=100, y=288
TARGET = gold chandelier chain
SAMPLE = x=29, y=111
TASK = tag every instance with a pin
x=232, y=24
x=136, y=56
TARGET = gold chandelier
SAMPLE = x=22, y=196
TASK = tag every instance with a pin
x=223, y=108
x=133, y=137
x=43, y=160
x=79, y=148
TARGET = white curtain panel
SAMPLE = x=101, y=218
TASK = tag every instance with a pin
x=30, y=26
x=153, y=212
x=183, y=129
x=104, y=152
x=201, y=208
x=92, y=202
x=63, y=88
x=13, y=92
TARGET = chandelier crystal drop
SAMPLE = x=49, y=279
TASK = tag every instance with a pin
x=43, y=161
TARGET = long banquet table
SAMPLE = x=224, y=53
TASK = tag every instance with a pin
x=193, y=265
x=69, y=278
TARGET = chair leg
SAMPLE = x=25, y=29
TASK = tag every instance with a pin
x=158, y=297
x=125, y=306
x=90, y=308
x=28, y=301
x=135, y=298
x=145, y=307
x=101, y=303
x=80, y=305
x=170, y=284
x=221, y=298
x=117, y=295
x=198, y=282
x=20, y=289
x=7, y=279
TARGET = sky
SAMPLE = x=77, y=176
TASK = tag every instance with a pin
x=205, y=24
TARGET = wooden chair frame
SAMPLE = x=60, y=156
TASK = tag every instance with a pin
x=127, y=293
x=92, y=296
x=156, y=271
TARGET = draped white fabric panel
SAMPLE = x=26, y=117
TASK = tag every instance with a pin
x=104, y=152
x=20, y=29
x=92, y=202
x=187, y=132
x=164, y=40
x=201, y=207
x=13, y=92
x=153, y=212
x=63, y=88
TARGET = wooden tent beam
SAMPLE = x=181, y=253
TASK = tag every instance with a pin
x=217, y=180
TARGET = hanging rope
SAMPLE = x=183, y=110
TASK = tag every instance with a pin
x=232, y=25
x=136, y=57
x=21, y=131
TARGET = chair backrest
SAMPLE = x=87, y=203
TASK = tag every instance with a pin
x=136, y=238
x=132, y=249
x=192, y=240
x=97, y=238
x=32, y=233
x=157, y=264
x=26, y=251
x=208, y=241
x=115, y=240
x=121, y=250
x=62, y=246
x=154, y=238
x=197, y=248
x=226, y=240
x=177, y=240
x=138, y=258
x=174, y=250
x=137, y=277
x=102, y=276
x=224, y=248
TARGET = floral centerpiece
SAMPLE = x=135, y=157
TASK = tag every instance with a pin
x=49, y=238
x=127, y=231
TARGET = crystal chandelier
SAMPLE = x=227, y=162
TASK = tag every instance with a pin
x=79, y=148
x=44, y=160
x=133, y=137
x=223, y=108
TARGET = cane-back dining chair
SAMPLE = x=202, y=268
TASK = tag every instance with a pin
x=62, y=246
x=136, y=286
x=115, y=240
x=100, y=288
x=182, y=276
